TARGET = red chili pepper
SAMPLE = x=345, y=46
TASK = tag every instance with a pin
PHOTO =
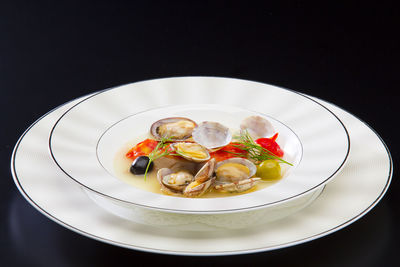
x=229, y=151
x=270, y=145
x=143, y=148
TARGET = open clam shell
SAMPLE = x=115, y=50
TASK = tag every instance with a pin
x=257, y=127
x=239, y=186
x=202, y=181
x=212, y=135
x=227, y=176
x=188, y=186
x=195, y=190
x=175, y=128
x=191, y=151
x=164, y=176
x=206, y=171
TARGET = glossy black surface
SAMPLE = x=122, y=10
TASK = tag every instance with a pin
x=139, y=165
x=55, y=51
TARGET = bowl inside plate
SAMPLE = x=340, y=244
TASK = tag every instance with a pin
x=80, y=146
x=116, y=140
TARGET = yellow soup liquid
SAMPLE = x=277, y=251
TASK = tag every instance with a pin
x=123, y=164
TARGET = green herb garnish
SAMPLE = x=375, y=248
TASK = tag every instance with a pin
x=159, y=151
x=254, y=151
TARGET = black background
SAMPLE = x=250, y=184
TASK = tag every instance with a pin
x=55, y=51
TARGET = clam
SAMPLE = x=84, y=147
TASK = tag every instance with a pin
x=202, y=181
x=176, y=164
x=239, y=186
x=234, y=170
x=257, y=127
x=173, y=183
x=191, y=151
x=175, y=128
x=211, y=135
x=183, y=183
x=234, y=175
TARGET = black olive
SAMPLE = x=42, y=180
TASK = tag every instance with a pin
x=139, y=165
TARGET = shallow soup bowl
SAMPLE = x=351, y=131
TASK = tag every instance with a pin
x=86, y=139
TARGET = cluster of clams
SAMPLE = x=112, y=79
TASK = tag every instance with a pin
x=194, y=142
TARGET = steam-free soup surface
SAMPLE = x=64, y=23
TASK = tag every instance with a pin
x=122, y=165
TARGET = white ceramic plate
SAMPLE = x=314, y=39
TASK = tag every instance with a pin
x=78, y=148
x=40, y=181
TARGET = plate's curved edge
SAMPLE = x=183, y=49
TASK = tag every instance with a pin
x=264, y=249
x=374, y=131
x=190, y=211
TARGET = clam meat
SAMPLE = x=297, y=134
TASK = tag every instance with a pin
x=183, y=183
x=191, y=151
x=175, y=128
x=235, y=175
x=173, y=183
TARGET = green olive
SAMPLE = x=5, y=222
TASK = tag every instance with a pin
x=269, y=170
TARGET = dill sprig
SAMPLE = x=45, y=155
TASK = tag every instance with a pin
x=159, y=151
x=253, y=150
